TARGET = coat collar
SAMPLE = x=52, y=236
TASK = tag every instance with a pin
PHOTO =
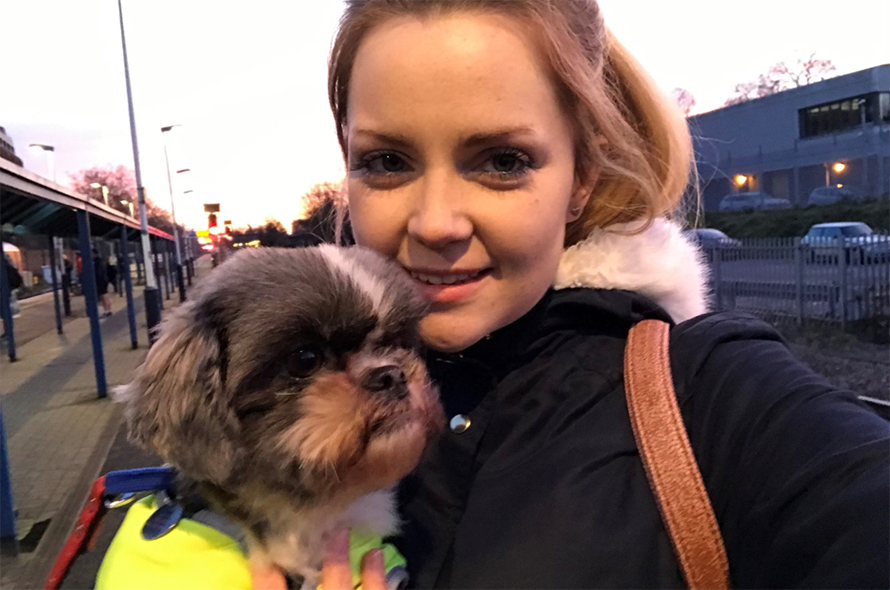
x=657, y=262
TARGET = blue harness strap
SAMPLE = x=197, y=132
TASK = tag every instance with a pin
x=147, y=479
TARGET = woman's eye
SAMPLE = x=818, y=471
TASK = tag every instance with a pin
x=382, y=164
x=304, y=362
x=507, y=164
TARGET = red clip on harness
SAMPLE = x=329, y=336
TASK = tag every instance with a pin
x=85, y=532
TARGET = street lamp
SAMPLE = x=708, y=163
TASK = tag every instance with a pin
x=129, y=204
x=164, y=131
x=104, y=191
x=49, y=151
x=838, y=167
x=152, y=296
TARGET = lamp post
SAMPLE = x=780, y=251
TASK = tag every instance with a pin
x=129, y=204
x=838, y=167
x=104, y=191
x=152, y=296
x=50, y=153
x=164, y=131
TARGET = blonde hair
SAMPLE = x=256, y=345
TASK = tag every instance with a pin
x=632, y=147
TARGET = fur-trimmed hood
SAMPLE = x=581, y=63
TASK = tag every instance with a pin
x=657, y=262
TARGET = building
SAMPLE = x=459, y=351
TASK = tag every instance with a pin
x=7, y=150
x=830, y=133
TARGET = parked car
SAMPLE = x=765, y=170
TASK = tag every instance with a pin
x=829, y=195
x=752, y=201
x=709, y=239
x=859, y=242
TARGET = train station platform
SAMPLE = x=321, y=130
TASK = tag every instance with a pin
x=59, y=433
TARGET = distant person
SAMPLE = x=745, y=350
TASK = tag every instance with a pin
x=121, y=269
x=111, y=271
x=101, y=268
x=13, y=281
x=66, y=275
x=68, y=268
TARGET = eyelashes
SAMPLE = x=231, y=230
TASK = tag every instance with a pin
x=504, y=167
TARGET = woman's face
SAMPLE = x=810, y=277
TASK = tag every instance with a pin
x=460, y=167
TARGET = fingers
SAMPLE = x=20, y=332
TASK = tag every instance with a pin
x=335, y=571
x=373, y=572
x=266, y=577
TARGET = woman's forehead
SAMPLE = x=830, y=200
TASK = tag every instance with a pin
x=456, y=67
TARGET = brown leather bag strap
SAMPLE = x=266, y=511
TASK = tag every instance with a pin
x=668, y=459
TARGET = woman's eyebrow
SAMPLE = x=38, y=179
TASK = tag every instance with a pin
x=497, y=135
x=389, y=138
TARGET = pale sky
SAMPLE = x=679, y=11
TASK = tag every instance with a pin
x=247, y=82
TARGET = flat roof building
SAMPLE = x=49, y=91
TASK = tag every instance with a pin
x=829, y=133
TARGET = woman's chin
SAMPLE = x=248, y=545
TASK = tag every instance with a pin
x=438, y=332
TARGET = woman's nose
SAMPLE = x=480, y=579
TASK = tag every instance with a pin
x=439, y=217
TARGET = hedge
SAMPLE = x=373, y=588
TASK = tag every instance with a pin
x=796, y=222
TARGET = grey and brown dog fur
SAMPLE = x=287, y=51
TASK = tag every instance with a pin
x=289, y=447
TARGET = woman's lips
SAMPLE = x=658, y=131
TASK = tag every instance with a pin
x=447, y=287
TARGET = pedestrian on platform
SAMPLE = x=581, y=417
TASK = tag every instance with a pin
x=111, y=272
x=13, y=282
x=100, y=265
x=525, y=171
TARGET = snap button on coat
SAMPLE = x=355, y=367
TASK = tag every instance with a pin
x=460, y=424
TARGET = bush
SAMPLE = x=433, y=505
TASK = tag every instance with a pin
x=795, y=222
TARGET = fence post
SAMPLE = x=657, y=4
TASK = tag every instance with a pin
x=717, y=255
x=799, y=265
x=842, y=269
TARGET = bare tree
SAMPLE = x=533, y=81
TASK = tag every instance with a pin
x=781, y=77
x=321, y=206
x=684, y=99
x=121, y=183
x=320, y=194
x=805, y=71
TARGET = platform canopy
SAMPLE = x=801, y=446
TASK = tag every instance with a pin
x=31, y=204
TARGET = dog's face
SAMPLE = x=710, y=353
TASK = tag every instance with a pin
x=295, y=370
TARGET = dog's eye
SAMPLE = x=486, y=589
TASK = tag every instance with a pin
x=304, y=362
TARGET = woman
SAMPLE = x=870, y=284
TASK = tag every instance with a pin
x=497, y=149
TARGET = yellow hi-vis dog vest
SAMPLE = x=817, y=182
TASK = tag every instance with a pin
x=194, y=556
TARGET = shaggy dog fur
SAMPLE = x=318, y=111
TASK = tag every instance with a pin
x=290, y=391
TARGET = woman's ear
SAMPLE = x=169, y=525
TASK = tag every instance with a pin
x=585, y=184
x=580, y=197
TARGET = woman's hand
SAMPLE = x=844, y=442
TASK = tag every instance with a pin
x=335, y=572
x=266, y=577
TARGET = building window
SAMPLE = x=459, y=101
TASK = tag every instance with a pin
x=845, y=114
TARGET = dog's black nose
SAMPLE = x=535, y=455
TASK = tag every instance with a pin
x=389, y=380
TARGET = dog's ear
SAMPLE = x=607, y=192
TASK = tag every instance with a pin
x=177, y=406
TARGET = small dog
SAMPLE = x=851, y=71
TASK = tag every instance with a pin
x=290, y=391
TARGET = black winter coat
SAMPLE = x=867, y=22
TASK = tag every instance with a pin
x=546, y=487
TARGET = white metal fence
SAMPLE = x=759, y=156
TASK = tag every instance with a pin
x=829, y=280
